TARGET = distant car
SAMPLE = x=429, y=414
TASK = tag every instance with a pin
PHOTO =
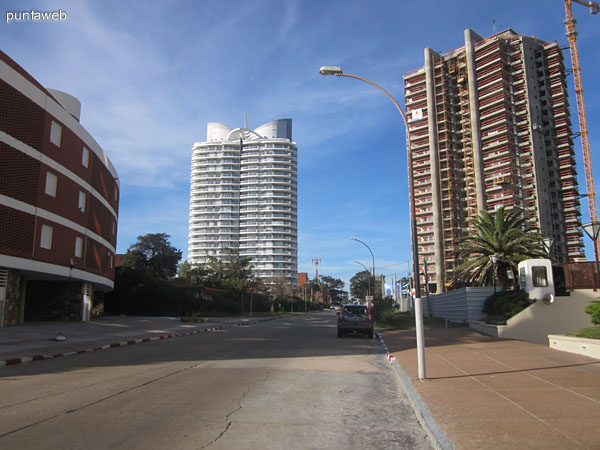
x=355, y=319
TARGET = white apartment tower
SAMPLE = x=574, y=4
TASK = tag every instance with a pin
x=244, y=197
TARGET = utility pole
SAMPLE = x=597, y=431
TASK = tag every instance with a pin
x=316, y=262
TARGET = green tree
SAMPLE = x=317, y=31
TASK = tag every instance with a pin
x=359, y=284
x=184, y=269
x=141, y=284
x=501, y=233
x=229, y=271
x=279, y=290
x=153, y=254
x=332, y=289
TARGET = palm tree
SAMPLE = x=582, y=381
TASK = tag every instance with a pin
x=504, y=234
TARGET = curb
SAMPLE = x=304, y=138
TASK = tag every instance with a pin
x=436, y=434
x=41, y=357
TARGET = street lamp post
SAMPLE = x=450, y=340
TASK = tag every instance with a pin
x=592, y=229
x=426, y=279
x=337, y=71
x=372, y=257
x=494, y=260
x=369, y=279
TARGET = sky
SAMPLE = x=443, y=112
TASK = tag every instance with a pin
x=151, y=75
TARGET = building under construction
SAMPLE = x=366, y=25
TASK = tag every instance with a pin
x=489, y=127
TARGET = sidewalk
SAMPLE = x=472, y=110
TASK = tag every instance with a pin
x=488, y=393
x=37, y=341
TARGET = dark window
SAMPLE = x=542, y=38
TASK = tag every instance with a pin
x=540, y=276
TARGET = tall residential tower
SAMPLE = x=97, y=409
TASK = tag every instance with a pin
x=244, y=197
x=489, y=127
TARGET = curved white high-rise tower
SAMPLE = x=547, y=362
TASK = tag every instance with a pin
x=244, y=196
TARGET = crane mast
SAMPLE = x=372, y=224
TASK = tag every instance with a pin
x=585, y=143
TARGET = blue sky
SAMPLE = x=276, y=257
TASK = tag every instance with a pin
x=150, y=75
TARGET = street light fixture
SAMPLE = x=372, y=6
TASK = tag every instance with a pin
x=330, y=70
x=592, y=229
x=337, y=71
x=373, y=257
x=494, y=260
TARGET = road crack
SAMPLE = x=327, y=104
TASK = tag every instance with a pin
x=231, y=413
x=95, y=402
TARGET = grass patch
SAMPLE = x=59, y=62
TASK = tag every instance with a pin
x=405, y=321
x=590, y=333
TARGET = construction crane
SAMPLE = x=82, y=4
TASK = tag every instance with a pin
x=585, y=143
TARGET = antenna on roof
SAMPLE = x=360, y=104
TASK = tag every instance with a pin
x=494, y=27
x=245, y=120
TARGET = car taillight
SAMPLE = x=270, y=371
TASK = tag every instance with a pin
x=369, y=315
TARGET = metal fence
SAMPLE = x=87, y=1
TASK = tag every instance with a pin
x=461, y=305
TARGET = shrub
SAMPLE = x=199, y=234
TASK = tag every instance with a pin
x=501, y=306
x=593, y=309
x=383, y=309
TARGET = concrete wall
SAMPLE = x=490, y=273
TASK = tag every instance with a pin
x=535, y=323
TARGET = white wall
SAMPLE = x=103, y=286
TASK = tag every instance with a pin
x=535, y=323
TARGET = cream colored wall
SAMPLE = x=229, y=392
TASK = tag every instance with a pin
x=563, y=316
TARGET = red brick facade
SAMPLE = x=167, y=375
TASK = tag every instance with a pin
x=58, y=203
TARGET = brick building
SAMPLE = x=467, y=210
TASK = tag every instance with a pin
x=489, y=127
x=59, y=197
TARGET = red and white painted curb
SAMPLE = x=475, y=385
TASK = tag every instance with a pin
x=26, y=359
x=391, y=358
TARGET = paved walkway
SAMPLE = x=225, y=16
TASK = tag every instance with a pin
x=488, y=393
x=36, y=341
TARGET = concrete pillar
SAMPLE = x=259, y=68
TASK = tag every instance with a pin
x=3, y=289
x=470, y=39
x=88, y=291
x=434, y=163
x=13, y=293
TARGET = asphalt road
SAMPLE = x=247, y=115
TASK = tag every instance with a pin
x=283, y=384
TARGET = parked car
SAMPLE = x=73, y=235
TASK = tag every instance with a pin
x=355, y=319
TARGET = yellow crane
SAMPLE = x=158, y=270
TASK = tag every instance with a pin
x=585, y=143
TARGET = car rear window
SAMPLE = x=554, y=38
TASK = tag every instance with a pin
x=355, y=309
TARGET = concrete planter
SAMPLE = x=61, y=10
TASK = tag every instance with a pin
x=486, y=328
x=581, y=346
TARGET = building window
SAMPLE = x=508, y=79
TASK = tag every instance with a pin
x=540, y=277
x=85, y=157
x=78, y=246
x=55, y=133
x=51, y=181
x=81, y=201
x=46, y=237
